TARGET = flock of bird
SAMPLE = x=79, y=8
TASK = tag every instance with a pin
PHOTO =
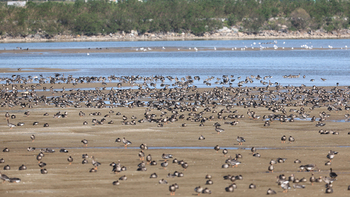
x=253, y=46
x=184, y=102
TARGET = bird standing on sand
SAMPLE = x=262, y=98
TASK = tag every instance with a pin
x=95, y=163
x=167, y=156
x=10, y=124
x=312, y=179
x=225, y=151
x=142, y=155
x=7, y=115
x=85, y=142
x=172, y=190
x=270, y=191
x=332, y=174
x=331, y=154
x=3, y=177
x=32, y=137
x=240, y=140
x=283, y=139
x=70, y=160
x=270, y=168
x=126, y=142
x=291, y=139
x=219, y=130
x=198, y=190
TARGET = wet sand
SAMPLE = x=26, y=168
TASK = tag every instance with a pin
x=75, y=180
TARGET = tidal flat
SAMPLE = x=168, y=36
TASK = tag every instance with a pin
x=162, y=118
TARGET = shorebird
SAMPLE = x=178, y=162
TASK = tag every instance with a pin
x=283, y=139
x=331, y=154
x=3, y=177
x=94, y=162
x=312, y=179
x=85, y=142
x=285, y=186
x=167, y=156
x=32, y=137
x=172, y=190
x=126, y=142
x=198, y=190
x=252, y=186
x=332, y=174
x=270, y=191
x=219, y=130
x=7, y=115
x=70, y=160
x=142, y=155
x=270, y=168
x=10, y=124
x=225, y=151
x=240, y=140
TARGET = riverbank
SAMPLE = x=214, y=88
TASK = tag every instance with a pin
x=222, y=34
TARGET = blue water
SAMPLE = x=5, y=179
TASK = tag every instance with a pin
x=332, y=65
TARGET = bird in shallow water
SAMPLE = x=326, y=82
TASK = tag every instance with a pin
x=32, y=137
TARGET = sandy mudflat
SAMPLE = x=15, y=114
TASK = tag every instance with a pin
x=75, y=180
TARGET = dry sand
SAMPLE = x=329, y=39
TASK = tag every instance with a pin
x=75, y=180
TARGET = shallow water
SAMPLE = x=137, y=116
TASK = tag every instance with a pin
x=314, y=64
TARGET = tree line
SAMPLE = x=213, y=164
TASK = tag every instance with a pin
x=189, y=16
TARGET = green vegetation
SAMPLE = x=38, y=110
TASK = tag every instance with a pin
x=188, y=16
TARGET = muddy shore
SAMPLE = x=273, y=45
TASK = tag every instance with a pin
x=62, y=179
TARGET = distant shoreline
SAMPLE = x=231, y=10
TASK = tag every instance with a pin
x=121, y=36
